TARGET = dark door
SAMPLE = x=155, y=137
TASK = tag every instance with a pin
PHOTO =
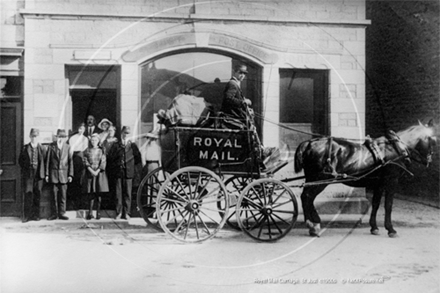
x=101, y=103
x=10, y=145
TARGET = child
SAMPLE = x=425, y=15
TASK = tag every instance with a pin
x=96, y=178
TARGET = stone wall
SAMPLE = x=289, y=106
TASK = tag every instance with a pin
x=403, y=77
x=302, y=34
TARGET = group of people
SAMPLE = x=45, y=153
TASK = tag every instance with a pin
x=93, y=161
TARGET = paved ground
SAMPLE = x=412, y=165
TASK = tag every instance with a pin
x=108, y=256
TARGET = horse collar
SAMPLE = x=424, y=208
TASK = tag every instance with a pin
x=397, y=143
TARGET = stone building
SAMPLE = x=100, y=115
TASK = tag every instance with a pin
x=403, y=84
x=126, y=59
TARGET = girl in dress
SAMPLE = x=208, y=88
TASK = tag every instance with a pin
x=96, y=178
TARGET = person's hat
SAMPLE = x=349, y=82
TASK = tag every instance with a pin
x=242, y=69
x=61, y=133
x=34, y=132
x=105, y=120
x=126, y=128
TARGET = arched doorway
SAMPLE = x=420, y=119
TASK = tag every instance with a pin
x=203, y=73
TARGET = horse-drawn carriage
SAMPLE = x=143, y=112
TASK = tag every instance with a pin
x=212, y=176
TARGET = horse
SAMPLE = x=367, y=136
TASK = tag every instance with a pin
x=375, y=163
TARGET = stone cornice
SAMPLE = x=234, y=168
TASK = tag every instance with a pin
x=13, y=52
x=176, y=17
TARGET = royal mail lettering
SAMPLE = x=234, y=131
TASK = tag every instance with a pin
x=216, y=148
x=218, y=142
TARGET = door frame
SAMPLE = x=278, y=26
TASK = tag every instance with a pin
x=18, y=205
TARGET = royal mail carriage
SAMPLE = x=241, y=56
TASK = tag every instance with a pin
x=214, y=175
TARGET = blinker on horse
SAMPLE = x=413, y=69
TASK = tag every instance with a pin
x=376, y=163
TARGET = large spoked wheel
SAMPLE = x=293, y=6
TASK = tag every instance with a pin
x=234, y=186
x=147, y=196
x=268, y=209
x=187, y=204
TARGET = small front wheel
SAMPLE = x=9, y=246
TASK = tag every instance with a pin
x=267, y=209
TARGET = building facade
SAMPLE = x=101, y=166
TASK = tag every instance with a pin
x=124, y=60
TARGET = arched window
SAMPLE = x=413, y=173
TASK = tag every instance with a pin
x=199, y=73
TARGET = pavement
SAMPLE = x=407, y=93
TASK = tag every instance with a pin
x=110, y=255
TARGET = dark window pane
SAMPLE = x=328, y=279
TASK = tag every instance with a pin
x=11, y=86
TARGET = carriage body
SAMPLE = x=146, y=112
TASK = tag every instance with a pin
x=224, y=151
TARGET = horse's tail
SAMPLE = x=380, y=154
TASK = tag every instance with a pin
x=299, y=156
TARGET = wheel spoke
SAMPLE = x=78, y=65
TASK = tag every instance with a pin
x=268, y=227
x=281, y=219
x=174, y=217
x=284, y=212
x=255, y=192
x=177, y=229
x=251, y=202
x=209, y=217
x=204, y=225
x=276, y=225
x=281, y=194
x=168, y=200
x=175, y=193
x=261, y=228
x=252, y=216
x=181, y=187
x=173, y=209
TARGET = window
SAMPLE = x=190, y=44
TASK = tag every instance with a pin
x=199, y=73
x=303, y=103
x=11, y=86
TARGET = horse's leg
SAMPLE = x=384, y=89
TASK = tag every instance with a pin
x=377, y=195
x=311, y=217
x=389, y=196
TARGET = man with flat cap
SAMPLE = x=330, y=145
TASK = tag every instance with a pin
x=59, y=172
x=31, y=161
x=123, y=157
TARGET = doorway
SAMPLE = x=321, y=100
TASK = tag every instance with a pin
x=11, y=139
x=94, y=90
x=101, y=103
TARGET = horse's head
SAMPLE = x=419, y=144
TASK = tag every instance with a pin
x=423, y=142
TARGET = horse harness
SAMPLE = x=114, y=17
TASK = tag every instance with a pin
x=398, y=145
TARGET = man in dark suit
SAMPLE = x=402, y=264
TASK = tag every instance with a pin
x=31, y=161
x=59, y=172
x=234, y=103
x=122, y=159
x=91, y=127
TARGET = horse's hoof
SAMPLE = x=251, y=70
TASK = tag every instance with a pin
x=374, y=231
x=313, y=234
x=309, y=224
x=393, y=235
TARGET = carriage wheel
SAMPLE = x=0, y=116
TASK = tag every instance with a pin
x=147, y=196
x=187, y=204
x=234, y=186
x=268, y=209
